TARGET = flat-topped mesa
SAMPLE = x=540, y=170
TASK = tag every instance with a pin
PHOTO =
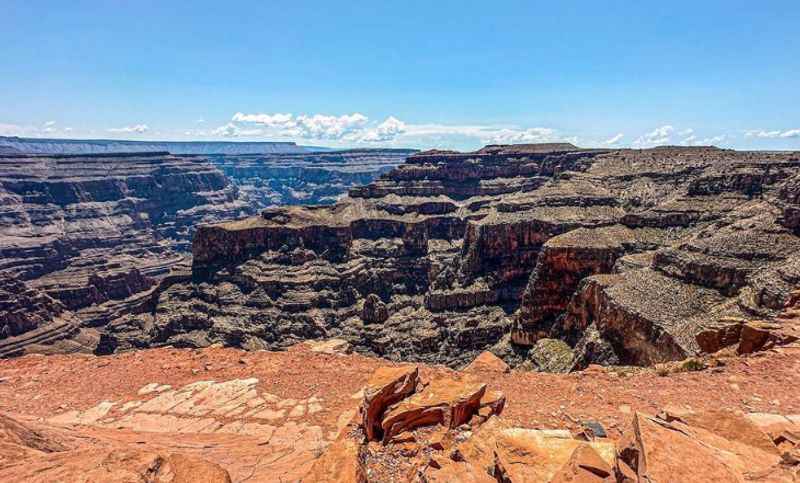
x=493, y=170
x=317, y=229
x=464, y=252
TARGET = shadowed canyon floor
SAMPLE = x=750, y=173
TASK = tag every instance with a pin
x=267, y=416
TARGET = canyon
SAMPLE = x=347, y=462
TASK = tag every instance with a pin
x=550, y=256
x=518, y=313
x=85, y=238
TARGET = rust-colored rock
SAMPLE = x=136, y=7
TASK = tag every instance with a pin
x=115, y=466
x=498, y=452
x=343, y=461
x=585, y=466
x=444, y=401
x=487, y=362
x=701, y=449
x=45, y=454
x=387, y=386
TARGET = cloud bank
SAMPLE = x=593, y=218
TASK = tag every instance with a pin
x=137, y=129
x=760, y=133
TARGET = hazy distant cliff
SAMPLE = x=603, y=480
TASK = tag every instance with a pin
x=98, y=146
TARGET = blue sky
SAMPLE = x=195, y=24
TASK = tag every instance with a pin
x=454, y=74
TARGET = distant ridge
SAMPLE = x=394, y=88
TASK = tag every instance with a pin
x=100, y=146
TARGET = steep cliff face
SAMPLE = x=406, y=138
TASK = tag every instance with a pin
x=94, y=231
x=97, y=233
x=625, y=255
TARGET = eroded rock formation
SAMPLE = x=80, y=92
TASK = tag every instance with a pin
x=85, y=239
x=625, y=255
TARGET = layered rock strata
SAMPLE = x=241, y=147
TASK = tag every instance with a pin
x=97, y=233
x=626, y=255
x=92, y=232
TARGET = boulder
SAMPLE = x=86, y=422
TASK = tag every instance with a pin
x=487, y=362
x=386, y=386
x=374, y=310
x=585, y=466
x=698, y=448
x=498, y=452
x=444, y=401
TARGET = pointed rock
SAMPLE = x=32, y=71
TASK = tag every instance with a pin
x=487, y=362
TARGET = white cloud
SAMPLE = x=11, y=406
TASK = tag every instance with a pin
x=232, y=130
x=531, y=135
x=272, y=120
x=388, y=130
x=614, y=139
x=320, y=126
x=760, y=133
x=357, y=128
x=138, y=129
x=316, y=126
x=659, y=136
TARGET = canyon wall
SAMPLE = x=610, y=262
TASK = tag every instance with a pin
x=87, y=238
x=624, y=255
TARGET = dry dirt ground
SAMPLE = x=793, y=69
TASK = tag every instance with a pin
x=265, y=416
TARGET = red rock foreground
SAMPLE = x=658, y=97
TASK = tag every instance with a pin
x=306, y=415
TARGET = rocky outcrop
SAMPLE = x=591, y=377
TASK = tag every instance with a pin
x=714, y=446
x=297, y=415
x=624, y=255
x=487, y=362
x=44, y=454
x=398, y=409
